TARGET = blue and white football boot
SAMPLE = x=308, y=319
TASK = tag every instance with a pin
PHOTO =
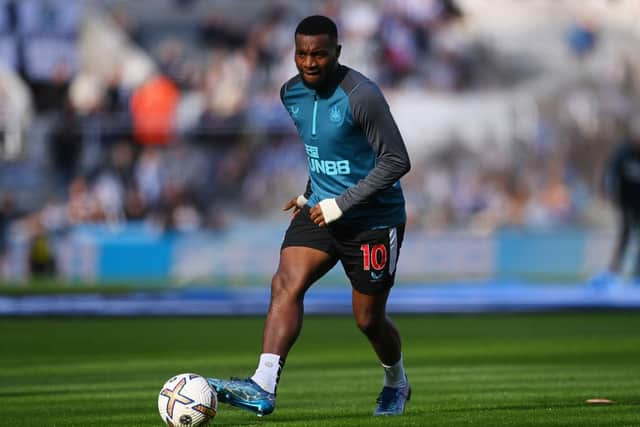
x=391, y=400
x=244, y=394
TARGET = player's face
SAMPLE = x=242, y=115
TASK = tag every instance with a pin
x=316, y=58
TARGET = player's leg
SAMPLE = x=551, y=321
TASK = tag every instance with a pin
x=634, y=246
x=299, y=268
x=370, y=258
x=306, y=255
x=372, y=319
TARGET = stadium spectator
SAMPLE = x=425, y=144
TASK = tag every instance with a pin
x=42, y=263
x=65, y=145
x=83, y=205
x=153, y=107
x=134, y=206
x=48, y=32
x=582, y=37
x=148, y=176
x=622, y=184
x=7, y=214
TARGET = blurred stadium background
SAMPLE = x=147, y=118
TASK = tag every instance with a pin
x=143, y=145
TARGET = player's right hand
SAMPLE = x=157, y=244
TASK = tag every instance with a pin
x=296, y=203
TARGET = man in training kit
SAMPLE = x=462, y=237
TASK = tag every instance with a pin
x=352, y=211
x=622, y=185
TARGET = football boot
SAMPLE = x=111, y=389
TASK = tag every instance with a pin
x=391, y=400
x=244, y=394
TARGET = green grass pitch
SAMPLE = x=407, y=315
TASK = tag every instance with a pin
x=475, y=370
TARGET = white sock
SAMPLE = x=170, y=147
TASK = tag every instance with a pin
x=268, y=372
x=394, y=375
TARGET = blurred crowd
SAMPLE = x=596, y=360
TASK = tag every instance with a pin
x=177, y=121
x=202, y=128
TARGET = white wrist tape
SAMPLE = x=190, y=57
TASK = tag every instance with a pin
x=301, y=201
x=330, y=210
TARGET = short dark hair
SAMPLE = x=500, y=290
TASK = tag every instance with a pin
x=317, y=24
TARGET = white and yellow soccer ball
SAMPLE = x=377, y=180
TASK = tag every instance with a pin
x=187, y=400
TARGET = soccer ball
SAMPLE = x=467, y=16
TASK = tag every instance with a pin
x=187, y=400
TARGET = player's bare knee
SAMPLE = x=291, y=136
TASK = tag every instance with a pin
x=286, y=285
x=370, y=325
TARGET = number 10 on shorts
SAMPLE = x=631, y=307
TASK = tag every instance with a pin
x=373, y=256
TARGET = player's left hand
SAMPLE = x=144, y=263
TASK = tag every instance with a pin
x=325, y=212
x=316, y=216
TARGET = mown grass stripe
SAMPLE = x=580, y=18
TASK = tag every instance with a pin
x=488, y=370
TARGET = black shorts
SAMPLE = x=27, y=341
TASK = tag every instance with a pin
x=369, y=257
